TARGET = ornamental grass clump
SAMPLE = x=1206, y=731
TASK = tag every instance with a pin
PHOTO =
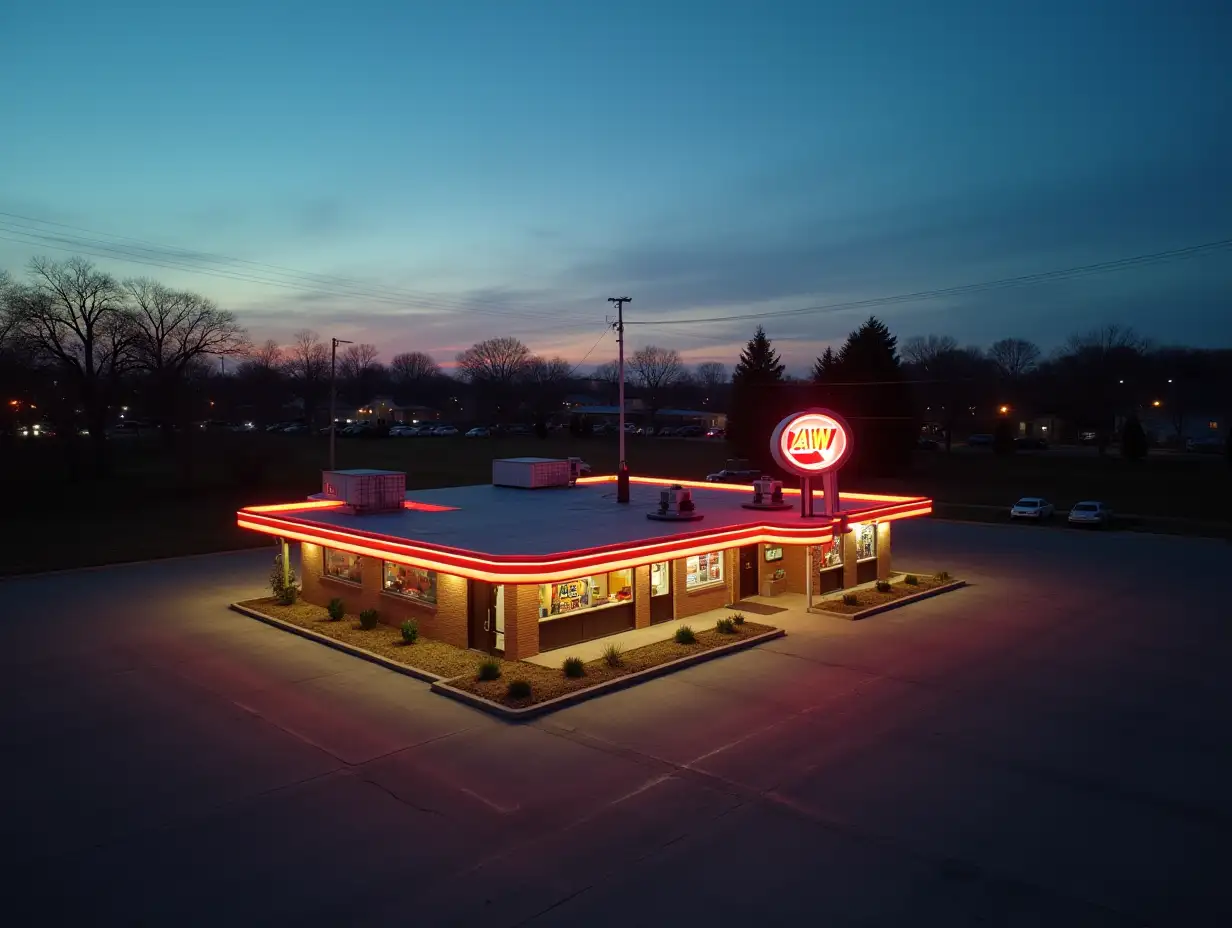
x=911, y=580
x=518, y=689
x=685, y=635
x=489, y=670
x=574, y=667
x=941, y=576
x=851, y=599
x=725, y=626
x=368, y=619
x=883, y=586
x=410, y=632
x=613, y=655
x=738, y=618
x=335, y=609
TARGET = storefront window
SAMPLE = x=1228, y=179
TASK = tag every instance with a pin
x=412, y=582
x=866, y=541
x=660, y=578
x=342, y=565
x=829, y=554
x=608, y=589
x=703, y=570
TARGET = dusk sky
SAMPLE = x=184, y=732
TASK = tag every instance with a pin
x=425, y=174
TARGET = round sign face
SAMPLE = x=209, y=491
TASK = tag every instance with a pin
x=810, y=443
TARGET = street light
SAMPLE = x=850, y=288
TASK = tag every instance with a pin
x=333, y=391
x=1156, y=403
x=1003, y=410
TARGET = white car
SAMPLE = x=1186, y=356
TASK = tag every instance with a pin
x=479, y=432
x=1035, y=508
x=1090, y=512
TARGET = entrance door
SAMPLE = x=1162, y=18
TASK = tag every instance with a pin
x=481, y=606
x=661, y=592
x=748, y=571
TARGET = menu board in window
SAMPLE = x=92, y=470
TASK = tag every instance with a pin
x=704, y=568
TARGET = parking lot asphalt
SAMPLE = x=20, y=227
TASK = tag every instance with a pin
x=1046, y=747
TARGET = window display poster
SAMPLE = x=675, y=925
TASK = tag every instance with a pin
x=571, y=595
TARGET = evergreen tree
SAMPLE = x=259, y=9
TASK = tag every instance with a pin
x=825, y=366
x=759, y=362
x=869, y=355
x=1133, y=440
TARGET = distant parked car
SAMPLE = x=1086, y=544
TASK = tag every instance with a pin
x=1090, y=512
x=1203, y=445
x=479, y=432
x=927, y=444
x=298, y=429
x=1034, y=508
x=1030, y=444
x=445, y=431
x=733, y=476
x=716, y=433
x=979, y=441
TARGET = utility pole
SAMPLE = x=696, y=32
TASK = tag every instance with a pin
x=333, y=392
x=622, y=475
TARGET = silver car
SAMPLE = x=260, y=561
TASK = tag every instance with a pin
x=1033, y=508
x=1090, y=512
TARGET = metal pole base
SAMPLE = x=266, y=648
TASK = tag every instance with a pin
x=622, y=484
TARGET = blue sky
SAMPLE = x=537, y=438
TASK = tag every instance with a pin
x=424, y=174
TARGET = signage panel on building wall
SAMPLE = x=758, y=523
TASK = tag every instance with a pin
x=811, y=443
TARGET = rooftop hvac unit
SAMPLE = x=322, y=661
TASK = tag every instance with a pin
x=364, y=491
x=531, y=473
x=767, y=494
x=675, y=505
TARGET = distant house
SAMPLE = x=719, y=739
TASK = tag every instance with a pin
x=382, y=410
x=1164, y=429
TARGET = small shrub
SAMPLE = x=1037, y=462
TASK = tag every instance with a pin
x=941, y=576
x=911, y=580
x=335, y=609
x=738, y=618
x=288, y=595
x=368, y=619
x=725, y=626
x=284, y=589
x=851, y=599
x=685, y=635
x=410, y=632
x=518, y=689
x=883, y=586
x=489, y=670
x=613, y=655
x=574, y=667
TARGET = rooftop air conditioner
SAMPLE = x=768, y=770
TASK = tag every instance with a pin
x=767, y=494
x=365, y=491
x=675, y=505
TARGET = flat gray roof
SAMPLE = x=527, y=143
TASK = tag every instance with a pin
x=513, y=521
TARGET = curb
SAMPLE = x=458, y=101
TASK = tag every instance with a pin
x=601, y=689
x=905, y=601
x=404, y=669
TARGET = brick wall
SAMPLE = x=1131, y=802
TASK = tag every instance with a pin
x=641, y=595
x=795, y=562
x=447, y=622
x=849, y=560
x=521, y=620
x=691, y=602
x=883, y=551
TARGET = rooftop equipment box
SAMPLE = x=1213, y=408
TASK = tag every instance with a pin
x=531, y=473
x=365, y=490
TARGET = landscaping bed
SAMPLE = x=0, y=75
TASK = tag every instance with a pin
x=434, y=657
x=548, y=683
x=872, y=598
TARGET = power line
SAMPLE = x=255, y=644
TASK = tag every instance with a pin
x=579, y=364
x=1044, y=276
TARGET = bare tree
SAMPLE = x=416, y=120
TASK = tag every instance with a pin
x=307, y=364
x=357, y=360
x=413, y=366
x=267, y=356
x=175, y=329
x=74, y=318
x=1014, y=357
x=925, y=350
x=655, y=370
x=542, y=371
x=712, y=374
x=1108, y=339
x=607, y=372
x=495, y=361
x=8, y=314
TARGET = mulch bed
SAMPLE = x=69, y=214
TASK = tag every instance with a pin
x=549, y=682
x=868, y=598
x=444, y=660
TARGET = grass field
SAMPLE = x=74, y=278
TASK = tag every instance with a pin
x=158, y=504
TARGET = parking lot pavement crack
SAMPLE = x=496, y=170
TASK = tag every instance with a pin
x=401, y=799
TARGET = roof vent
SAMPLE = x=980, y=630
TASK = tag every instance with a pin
x=532, y=473
x=675, y=505
x=365, y=491
x=767, y=494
